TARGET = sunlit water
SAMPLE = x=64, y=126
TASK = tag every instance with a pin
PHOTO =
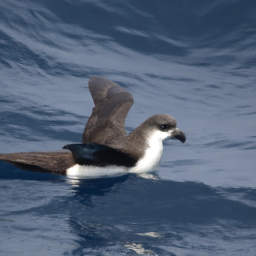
x=194, y=60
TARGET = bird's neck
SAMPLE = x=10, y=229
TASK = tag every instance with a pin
x=141, y=139
x=152, y=154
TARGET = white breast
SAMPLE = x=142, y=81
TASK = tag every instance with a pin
x=153, y=154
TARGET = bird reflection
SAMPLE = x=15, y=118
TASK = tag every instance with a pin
x=84, y=189
x=98, y=187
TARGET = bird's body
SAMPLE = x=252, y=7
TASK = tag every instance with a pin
x=106, y=149
x=147, y=163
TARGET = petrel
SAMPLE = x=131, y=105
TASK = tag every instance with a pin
x=106, y=149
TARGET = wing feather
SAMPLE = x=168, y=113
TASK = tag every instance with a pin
x=99, y=155
x=112, y=104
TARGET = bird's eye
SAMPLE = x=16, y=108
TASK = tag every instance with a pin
x=163, y=127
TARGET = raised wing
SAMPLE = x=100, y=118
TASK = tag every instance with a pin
x=99, y=155
x=112, y=104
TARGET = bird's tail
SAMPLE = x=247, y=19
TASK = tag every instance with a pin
x=50, y=162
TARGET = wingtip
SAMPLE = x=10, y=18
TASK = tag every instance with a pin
x=94, y=78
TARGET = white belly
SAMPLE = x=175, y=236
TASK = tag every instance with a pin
x=89, y=172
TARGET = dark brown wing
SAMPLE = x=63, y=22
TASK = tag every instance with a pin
x=50, y=162
x=112, y=104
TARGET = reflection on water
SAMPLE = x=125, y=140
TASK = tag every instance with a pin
x=129, y=214
x=97, y=187
x=145, y=215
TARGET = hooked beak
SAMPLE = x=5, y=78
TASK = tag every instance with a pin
x=179, y=135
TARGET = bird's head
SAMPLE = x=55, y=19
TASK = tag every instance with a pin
x=164, y=127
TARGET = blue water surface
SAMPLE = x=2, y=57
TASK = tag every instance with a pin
x=194, y=60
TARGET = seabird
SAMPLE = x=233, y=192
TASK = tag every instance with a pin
x=106, y=149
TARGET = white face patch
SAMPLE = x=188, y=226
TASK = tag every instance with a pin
x=165, y=135
x=153, y=154
x=89, y=172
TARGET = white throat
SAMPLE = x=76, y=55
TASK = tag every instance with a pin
x=153, y=155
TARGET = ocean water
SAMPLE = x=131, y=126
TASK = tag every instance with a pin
x=194, y=60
